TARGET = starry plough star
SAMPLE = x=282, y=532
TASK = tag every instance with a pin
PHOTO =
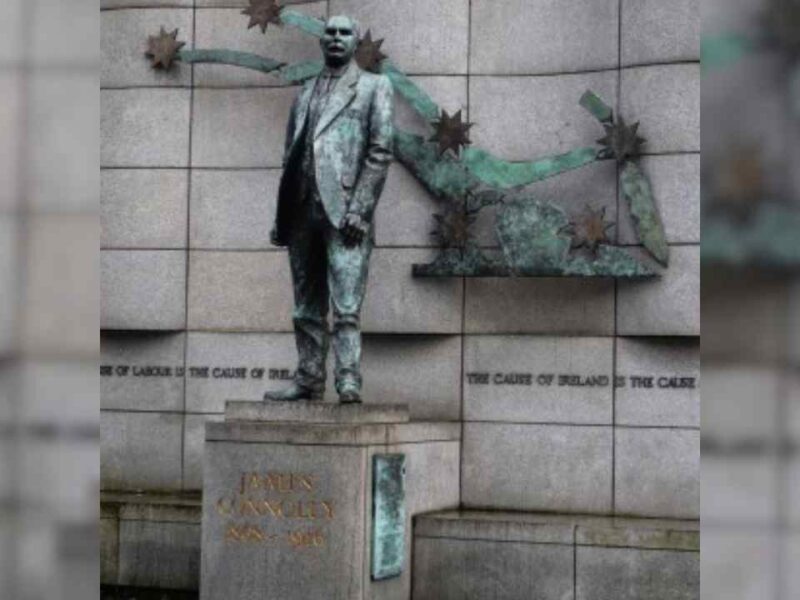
x=262, y=13
x=452, y=133
x=453, y=227
x=368, y=54
x=590, y=230
x=621, y=140
x=162, y=49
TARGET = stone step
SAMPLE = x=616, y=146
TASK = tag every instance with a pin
x=482, y=554
x=315, y=412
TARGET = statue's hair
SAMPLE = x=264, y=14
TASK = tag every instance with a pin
x=356, y=24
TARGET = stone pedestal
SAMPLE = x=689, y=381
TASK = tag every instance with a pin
x=288, y=506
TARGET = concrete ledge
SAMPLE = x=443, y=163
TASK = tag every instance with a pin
x=333, y=434
x=542, y=528
x=518, y=556
x=315, y=412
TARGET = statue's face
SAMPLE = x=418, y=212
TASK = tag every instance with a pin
x=339, y=42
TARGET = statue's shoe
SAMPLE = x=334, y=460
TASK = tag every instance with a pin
x=293, y=393
x=350, y=396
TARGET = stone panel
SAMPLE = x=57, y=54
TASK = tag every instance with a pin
x=537, y=467
x=580, y=35
x=404, y=216
x=739, y=564
x=227, y=28
x=676, y=186
x=144, y=128
x=740, y=489
x=632, y=574
x=143, y=208
x=669, y=305
x=538, y=116
x=658, y=473
x=69, y=383
x=62, y=157
x=10, y=124
x=671, y=401
x=163, y=555
x=398, y=303
x=450, y=569
x=47, y=38
x=546, y=306
x=142, y=289
x=233, y=210
x=240, y=291
x=140, y=451
x=421, y=37
x=123, y=42
x=107, y=4
x=654, y=31
x=9, y=272
x=422, y=372
x=666, y=99
x=527, y=362
x=740, y=402
x=193, y=448
x=240, y=127
x=109, y=551
x=131, y=384
x=60, y=310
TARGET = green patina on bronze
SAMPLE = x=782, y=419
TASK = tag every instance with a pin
x=637, y=191
x=595, y=105
x=504, y=174
x=388, y=515
x=449, y=177
x=535, y=244
x=443, y=176
x=246, y=60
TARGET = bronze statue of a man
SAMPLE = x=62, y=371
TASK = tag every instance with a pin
x=338, y=150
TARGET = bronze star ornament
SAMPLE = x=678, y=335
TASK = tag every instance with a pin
x=368, y=54
x=262, y=13
x=591, y=229
x=453, y=227
x=452, y=133
x=621, y=141
x=162, y=49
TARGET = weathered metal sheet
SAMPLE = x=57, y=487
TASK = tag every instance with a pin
x=415, y=96
x=503, y=174
x=388, y=515
x=442, y=175
x=246, y=60
x=646, y=219
x=595, y=105
x=310, y=25
x=533, y=236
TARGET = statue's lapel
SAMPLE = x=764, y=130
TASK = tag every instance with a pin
x=302, y=108
x=341, y=96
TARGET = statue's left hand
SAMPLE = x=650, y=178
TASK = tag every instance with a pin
x=354, y=229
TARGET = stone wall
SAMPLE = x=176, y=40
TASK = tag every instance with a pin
x=196, y=305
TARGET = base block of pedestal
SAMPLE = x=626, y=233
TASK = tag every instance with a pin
x=518, y=556
x=288, y=506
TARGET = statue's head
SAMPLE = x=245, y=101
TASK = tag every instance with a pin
x=340, y=40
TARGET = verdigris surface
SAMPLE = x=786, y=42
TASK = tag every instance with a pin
x=451, y=170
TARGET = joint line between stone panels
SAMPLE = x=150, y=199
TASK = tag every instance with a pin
x=574, y=561
x=144, y=6
x=679, y=550
x=479, y=539
x=568, y=424
x=620, y=9
x=187, y=251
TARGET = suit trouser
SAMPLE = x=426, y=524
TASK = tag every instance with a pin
x=325, y=271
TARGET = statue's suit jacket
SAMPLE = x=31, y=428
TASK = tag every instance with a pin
x=352, y=148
